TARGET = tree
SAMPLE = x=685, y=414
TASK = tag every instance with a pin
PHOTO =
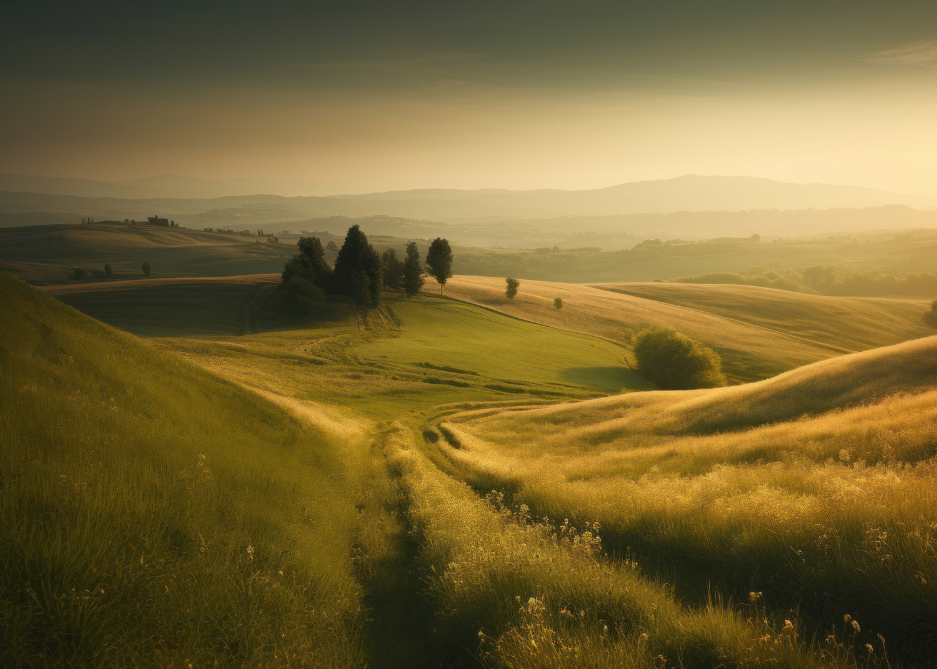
x=108, y=272
x=512, y=286
x=412, y=271
x=393, y=269
x=309, y=264
x=558, y=303
x=146, y=268
x=331, y=246
x=439, y=261
x=358, y=272
x=79, y=274
x=673, y=361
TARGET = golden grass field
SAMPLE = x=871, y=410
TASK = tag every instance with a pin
x=758, y=332
x=435, y=483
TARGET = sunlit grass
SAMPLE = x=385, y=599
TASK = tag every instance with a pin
x=537, y=594
x=833, y=513
x=151, y=515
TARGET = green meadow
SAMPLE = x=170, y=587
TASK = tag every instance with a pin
x=190, y=478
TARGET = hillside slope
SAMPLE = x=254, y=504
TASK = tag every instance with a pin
x=817, y=488
x=758, y=332
x=152, y=514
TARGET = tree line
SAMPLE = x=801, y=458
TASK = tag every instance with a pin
x=360, y=272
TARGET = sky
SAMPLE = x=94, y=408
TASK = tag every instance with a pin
x=361, y=96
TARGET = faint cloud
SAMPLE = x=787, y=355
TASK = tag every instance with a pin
x=914, y=53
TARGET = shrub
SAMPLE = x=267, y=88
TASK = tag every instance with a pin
x=108, y=271
x=146, y=268
x=79, y=273
x=512, y=286
x=558, y=303
x=673, y=361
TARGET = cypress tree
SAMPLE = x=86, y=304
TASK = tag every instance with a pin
x=412, y=271
x=358, y=272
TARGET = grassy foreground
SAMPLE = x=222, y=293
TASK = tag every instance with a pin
x=357, y=456
x=153, y=515
x=816, y=488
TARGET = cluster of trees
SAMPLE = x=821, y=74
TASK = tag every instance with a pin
x=359, y=271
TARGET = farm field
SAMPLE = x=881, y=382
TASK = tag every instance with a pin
x=443, y=484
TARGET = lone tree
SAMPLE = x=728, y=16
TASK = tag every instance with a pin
x=309, y=264
x=558, y=303
x=439, y=261
x=673, y=361
x=393, y=269
x=358, y=272
x=412, y=271
x=331, y=246
x=108, y=272
x=146, y=268
x=512, y=286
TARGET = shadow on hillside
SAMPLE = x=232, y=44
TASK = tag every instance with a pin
x=610, y=379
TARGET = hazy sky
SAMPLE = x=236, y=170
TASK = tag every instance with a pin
x=377, y=95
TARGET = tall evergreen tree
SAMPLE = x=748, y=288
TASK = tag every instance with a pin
x=309, y=263
x=439, y=261
x=412, y=271
x=358, y=272
x=393, y=269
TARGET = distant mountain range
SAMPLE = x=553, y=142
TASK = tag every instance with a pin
x=686, y=193
x=689, y=207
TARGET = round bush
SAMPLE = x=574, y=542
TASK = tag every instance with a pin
x=673, y=361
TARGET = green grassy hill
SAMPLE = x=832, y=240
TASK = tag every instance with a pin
x=852, y=323
x=816, y=488
x=759, y=332
x=153, y=515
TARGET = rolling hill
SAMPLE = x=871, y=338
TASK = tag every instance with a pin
x=814, y=489
x=153, y=514
x=757, y=331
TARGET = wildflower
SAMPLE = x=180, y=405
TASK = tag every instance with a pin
x=855, y=626
x=869, y=648
x=754, y=596
x=847, y=618
x=250, y=553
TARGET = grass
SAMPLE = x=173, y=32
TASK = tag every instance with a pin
x=171, y=307
x=815, y=488
x=529, y=594
x=152, y=515
x=759, y=332
x=357, y=455
x=445, y=333
x=853, y=323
